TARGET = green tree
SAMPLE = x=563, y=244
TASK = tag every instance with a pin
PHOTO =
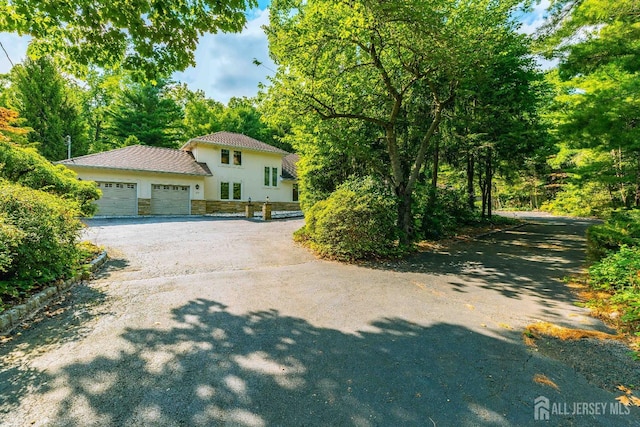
x=201, y=114
x=597, y=105
x=392, y=65
x=49, y=105
x=143, y=111
x=103, y=87
x=495, y=126
x=149, y=37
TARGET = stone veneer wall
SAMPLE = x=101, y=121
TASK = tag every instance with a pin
x=215, y=206
x=144, y=206
x=198, y=207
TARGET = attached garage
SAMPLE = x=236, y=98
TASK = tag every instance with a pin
x=170, y=200
x=118, y=199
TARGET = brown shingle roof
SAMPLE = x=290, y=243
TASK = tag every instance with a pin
x=289, y=168
x=143, y=158
x=230, y=139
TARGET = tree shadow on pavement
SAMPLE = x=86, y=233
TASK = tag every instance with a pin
x=214, y=367
x=531, y=260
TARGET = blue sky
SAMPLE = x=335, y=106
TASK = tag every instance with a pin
x=224, y=62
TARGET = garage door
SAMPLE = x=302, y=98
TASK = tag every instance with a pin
x=170, y=200
x=118, y=199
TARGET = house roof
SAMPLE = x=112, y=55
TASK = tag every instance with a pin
x=235, y=140
x=289, y=168
x=143, y=158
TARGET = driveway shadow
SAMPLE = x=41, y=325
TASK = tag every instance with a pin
x=214, y=367
x=530, y=261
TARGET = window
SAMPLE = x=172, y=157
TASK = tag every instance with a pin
x=295, y=192
x=237, y=158
x=270, y=177
x=224, y=190
x=237, y=191
x=224, y=156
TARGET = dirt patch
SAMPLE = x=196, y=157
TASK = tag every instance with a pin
x=607, y=364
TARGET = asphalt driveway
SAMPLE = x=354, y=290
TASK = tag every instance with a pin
x=206, y=321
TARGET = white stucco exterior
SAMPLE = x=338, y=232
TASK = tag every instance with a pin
x=250, y=173
x=143, y=180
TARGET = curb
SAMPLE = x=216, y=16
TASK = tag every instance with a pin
x=10, y=319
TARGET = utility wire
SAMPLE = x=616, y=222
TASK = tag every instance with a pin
x=7, y=54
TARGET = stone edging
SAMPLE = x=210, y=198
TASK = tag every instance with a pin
x=13, y=317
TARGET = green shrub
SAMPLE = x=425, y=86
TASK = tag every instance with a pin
x=27, y=167
x=448, y=211
x=571, y=200
x=622, y=228
x=619, y=270
x=357, y=221
x=11, y=238
x=38, y=234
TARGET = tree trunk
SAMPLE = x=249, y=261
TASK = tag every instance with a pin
x=489, y=182
x=471, y=196
x=405, y=219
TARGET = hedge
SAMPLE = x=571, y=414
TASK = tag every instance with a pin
x=356, y=221
x=38, y=235
x=25, y=166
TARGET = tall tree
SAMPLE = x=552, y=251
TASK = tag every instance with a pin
x=152, y=37
x=102, y=89
x=144, y=114
x=49, y=105
x=201, y=114
x=495, y=125
x=598, y=83
x=392, y=65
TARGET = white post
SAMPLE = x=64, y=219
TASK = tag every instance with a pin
x=68, y=139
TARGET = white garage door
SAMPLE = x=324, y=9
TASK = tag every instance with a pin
x=118, y=199
x=170, y=200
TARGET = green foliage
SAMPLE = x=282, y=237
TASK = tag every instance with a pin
x=49, y=106
x=11, y=237
x=152, y=38
x=443, y=214
x=145, y=112
x=391, y=68
x=597, y=83
x=622, y=228
x=618, y=270
x=356, y=222
x=571, y=200
x=619, y=273
x=38, y=233
x=28, y=168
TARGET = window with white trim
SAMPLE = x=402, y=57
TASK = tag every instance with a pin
x=237, y=191
x=270, y=177
x=224, y=190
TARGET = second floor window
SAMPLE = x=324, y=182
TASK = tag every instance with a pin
x=224, y=156
x=237, y=158
x=270, y=177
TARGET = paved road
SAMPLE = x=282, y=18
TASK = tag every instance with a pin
x=227, y=322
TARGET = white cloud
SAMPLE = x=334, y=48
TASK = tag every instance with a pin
x=533, y=20
x=224, y=62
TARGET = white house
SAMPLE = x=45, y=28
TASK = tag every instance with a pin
x=220, y=172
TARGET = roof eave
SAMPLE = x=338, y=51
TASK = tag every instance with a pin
x=136, y=170
x=219, y=144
